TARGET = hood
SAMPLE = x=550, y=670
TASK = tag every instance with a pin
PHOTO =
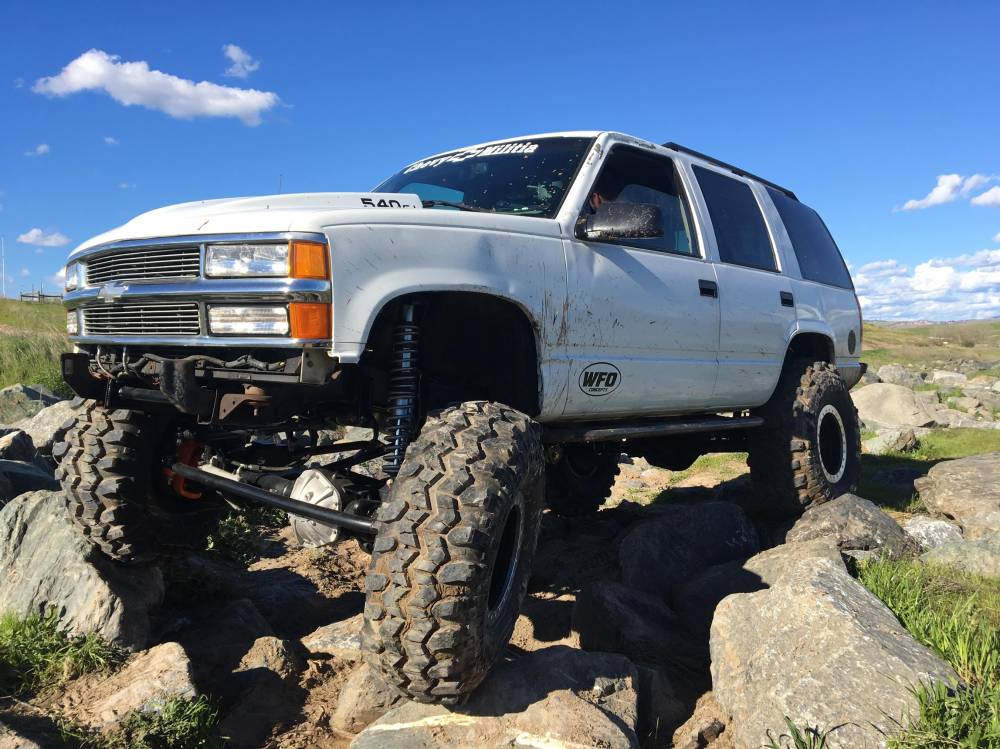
x=266, y=213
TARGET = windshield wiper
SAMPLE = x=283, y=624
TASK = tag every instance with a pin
x=452, y=204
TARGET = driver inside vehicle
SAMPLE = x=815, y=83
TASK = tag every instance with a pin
x=606, y=190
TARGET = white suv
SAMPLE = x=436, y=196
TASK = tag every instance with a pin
x=508, y=318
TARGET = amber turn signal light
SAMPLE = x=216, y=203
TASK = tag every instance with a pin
x=309, y=260
x=309, y=319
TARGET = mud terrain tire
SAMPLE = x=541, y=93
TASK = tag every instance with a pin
x=453, y=554
x=809, y=451
x=579, y=482
x=108, y=467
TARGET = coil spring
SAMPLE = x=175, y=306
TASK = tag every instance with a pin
x=404, y=383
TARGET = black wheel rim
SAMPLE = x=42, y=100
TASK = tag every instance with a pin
x=505, y=563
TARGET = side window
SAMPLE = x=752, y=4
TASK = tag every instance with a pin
x=740, y=231
x=817, y=253
x=631, y=175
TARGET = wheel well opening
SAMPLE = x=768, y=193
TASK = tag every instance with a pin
x=812, y=346
x=472, y=346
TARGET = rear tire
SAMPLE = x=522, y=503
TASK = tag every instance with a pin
x=453, y=554
x=580, y=481
x=809, y=450
x=110, y=467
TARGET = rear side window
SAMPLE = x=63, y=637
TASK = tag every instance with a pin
x=819, y=258
x=739, y=225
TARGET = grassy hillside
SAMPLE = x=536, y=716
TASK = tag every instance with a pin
x=942, y=344
x=31, y=338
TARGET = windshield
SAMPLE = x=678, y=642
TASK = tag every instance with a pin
x=525, y=177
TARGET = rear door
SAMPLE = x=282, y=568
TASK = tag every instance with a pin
x=642, y=321
x=756, y=301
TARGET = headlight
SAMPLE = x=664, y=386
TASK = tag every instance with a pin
x=72, y=323
x=241, y=260
x=73, y=276
x=248, y=320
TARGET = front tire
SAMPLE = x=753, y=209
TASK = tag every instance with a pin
x=453, y=554
x=809, y=451
x=111, y=471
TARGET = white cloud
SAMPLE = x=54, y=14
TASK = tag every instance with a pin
x=990, y=197
x=19, y=83
x=40, y=238
x=134, y=83
x=25, y=272
x=997, y=237
x=110, y=140
x=949, y=188
x=126, y=185
x=40, y=150
x=57, y=279
x=242, y=63
x=945, y=288
x=39, y=251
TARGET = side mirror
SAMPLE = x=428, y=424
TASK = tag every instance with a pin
x=622, y=221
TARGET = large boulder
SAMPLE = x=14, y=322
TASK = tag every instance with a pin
x=929, y=533
x=20, y=477
x=549, y=698
x=660, y=554
x=145, y=684
x=46, y=427
x=22, y=401
x=46, y=563
x=340, y=639
x=16, y=445
x=896, y=374
x=886, y=405
x=818, y=648
x=363, y=699
x=855, y=523
x=980, y=556
x=897, y=440
x=948, y=379
x=967, y=491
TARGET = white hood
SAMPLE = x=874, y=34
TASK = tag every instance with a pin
x=266, y=213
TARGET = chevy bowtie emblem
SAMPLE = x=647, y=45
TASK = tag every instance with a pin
x=111, y=291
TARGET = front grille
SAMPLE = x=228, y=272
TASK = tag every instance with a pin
x=145, y=263
x=142, y=319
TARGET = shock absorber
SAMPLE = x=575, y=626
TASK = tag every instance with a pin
x=404, y=384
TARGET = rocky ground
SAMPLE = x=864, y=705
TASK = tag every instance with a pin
x=669, y=618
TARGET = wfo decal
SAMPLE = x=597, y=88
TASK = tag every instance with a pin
x=601, y=378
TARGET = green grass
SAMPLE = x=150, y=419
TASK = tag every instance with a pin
x=957, y=615
x=31, y=317
x=809, y=737
x=940, y=444
x=239, y=535
x=31, y=338
x=36, y=653
x=926, y=344
x=178, y=724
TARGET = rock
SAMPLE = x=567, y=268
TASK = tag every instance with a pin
x=886, y=405
x=47, y=426
x=549, y=698
x=929, y=533
x=966, y=403
x=270, y=696
x=930, y=397
x=658, y=555
x=868, y=378
x=144, y=684
x=967, y=491
x=818, y=648
x=46, y=563
x=611, y=617
x=698, y=598
x=855, y=523
x=363, y=699
x=16, y=445
x=12, y=738
x=340, y=639
x=981, y=555
x=891, y=440
x=953, y=419
x=947, y=379
x=896, y=374
x=21, y=401
x=25, y=477
x=659, y=705
x=705, y=725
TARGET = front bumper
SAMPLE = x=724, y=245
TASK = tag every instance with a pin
x=199, y=291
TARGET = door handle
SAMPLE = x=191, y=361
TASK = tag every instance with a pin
x=787, y=300
x=708, y=288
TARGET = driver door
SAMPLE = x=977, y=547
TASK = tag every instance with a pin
x=642, y=327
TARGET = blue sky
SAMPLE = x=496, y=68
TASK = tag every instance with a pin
x=858, y=107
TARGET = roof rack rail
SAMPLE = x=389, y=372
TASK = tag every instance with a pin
x=734, y=169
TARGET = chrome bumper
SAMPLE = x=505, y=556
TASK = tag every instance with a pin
x=201, y=291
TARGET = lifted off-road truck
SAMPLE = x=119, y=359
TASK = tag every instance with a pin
x=507, y=318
